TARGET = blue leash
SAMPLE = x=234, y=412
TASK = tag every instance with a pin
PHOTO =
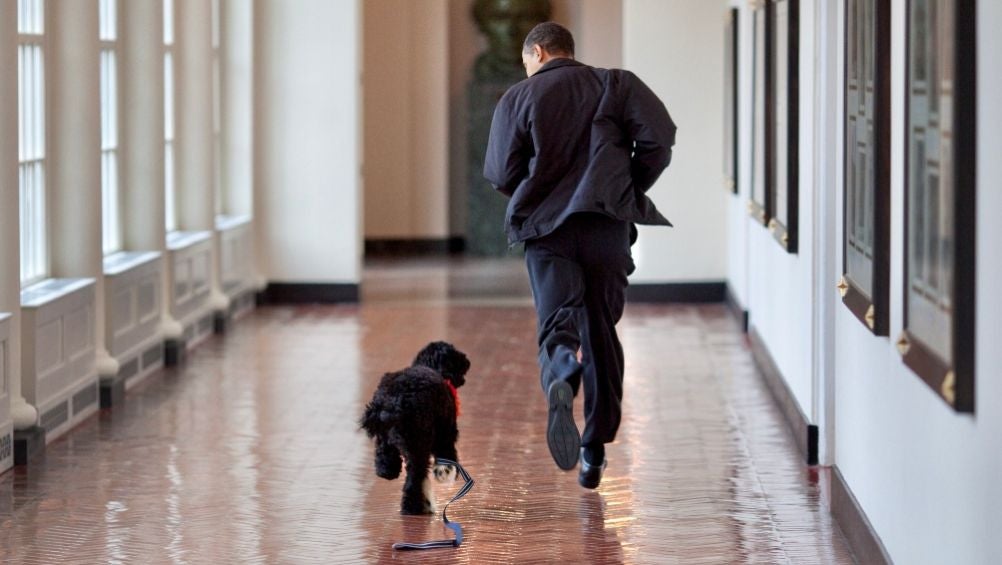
x=454, y=526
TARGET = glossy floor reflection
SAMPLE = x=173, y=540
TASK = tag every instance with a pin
x=250, y=453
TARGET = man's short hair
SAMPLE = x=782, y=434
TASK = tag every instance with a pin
x=554, y=38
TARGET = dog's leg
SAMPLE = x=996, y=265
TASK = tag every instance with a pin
x=414, y=500
x=445, y=448
x=446, y=436
x=388, y=462
x=428, y=489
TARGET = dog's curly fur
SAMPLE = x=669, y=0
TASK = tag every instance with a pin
x=412, y=417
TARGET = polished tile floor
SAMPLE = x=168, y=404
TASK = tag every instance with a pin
x=250, y=453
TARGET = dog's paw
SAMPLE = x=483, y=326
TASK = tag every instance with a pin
x=445, y=474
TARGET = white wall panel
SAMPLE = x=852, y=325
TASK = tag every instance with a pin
x=190, y=256
x=309, y=147
x=676, y=48
x=58, y=352
x=237, y=256
x=6, y=423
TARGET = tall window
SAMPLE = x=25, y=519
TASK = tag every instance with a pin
x=31, y=139
x=217, y=109
x=170, y=189
x=110, y=195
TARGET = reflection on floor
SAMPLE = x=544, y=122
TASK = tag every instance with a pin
x=250, y=453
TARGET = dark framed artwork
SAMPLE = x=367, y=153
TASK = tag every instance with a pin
x=866, y=220
x=731, y=101
x=937, y=342
x=782, y=118
x=757, y=194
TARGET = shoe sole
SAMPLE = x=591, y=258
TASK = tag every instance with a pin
x=562, y=435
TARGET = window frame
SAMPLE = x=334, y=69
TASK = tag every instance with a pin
x=171, y=217
x=219, y=195
x=953, y=380
x=115, y=241
x=870, y=307
x=40, y=254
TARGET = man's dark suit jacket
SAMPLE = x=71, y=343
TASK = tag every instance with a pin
x=573, y=138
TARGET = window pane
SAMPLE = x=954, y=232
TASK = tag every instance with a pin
x=168, y=22
x=110, y=196
x=31, y=149
x=108, y=20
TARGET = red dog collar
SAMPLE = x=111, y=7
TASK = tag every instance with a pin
x=455, y=393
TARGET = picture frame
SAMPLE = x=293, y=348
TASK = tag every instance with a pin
x=865, y=282
x=938, y=338
x=731, y=98
x=782, y=111
x=757, y=205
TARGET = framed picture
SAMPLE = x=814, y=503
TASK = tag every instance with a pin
x=757, y=196
x=866, y=192
x=731, y=101
x=781, y=116
x=937, y=342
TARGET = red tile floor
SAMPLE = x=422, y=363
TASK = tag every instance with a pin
x=250, y=453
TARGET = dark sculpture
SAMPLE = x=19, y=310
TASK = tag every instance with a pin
x=505, y=23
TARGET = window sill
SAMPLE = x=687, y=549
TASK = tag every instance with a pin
x=225, y=223
x=50, y=290
x=178, y=240
x=123, y=261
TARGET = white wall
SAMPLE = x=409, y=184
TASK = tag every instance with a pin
x=406, y=160
x=598, y=32
x=676, y=48
x=927, y=477
x=773, y=285
x=308, y=107
x=738, y=220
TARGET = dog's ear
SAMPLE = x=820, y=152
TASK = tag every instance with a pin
x=456, y=366
x=446, y=360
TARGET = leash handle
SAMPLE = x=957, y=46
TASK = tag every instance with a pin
x=454, y=526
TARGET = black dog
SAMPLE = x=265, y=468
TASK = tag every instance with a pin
x=412, y=416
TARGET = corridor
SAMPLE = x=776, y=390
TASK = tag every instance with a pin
x=249, y=453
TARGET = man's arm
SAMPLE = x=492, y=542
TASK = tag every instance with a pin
x=651, y=129
x=506, y=162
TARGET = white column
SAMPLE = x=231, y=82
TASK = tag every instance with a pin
x=24, y=414
x=193, y=125
x=74, y=95
x=141, y=98
x=237, y=62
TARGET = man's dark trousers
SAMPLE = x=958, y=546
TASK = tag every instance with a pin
x=578, y=277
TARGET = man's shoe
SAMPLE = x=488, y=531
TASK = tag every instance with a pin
x=562, y=435
x=589, y=476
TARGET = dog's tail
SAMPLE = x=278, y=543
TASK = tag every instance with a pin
x=376, y=419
